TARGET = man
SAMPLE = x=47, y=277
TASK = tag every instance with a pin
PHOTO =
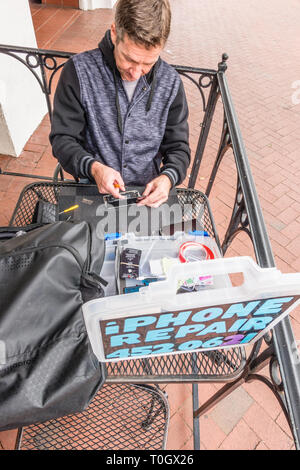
x=120, y=112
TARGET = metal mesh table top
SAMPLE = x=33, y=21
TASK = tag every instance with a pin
x=223, y=365
x=122, y=417
x=194, y=203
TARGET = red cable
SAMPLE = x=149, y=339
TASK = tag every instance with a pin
x=186, y=245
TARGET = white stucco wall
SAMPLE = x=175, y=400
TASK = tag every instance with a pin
x=93, y=4
x=22, y=103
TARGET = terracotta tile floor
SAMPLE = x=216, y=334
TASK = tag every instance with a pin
x=264, y=71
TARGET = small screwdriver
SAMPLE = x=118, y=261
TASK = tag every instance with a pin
x=72, y=208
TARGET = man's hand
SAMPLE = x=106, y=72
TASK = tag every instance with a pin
x=107, y=179
x=156, y=192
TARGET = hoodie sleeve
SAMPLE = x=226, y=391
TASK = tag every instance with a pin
x=175, y=148
x=68, y=125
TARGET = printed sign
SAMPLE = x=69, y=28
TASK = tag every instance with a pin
x=214, y=327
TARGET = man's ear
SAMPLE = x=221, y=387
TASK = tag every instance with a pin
x=113, y=34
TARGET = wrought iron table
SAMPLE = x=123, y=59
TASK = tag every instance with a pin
x=223, y=365
x=277, y=349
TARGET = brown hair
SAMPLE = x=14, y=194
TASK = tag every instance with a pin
x=146, y=22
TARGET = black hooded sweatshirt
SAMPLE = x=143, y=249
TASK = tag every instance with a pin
x=94, y=120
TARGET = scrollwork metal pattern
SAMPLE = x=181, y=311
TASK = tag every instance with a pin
x=199, y=84
x=239, y=219
x=43, y=60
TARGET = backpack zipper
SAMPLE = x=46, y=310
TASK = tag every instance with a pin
x=91, y=277
x=32, y=249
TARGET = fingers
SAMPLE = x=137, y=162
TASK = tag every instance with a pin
x=116, y=186
x=109, y=181
x=148, y=189
x=158, y=201
x=115, y=192
x=145, y=196
x=154, y=199
x=118, y=182
x=156, y=192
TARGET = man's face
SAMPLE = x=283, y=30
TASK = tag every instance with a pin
x=133, y=60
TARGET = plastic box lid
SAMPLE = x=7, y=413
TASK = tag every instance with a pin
x=157, y=321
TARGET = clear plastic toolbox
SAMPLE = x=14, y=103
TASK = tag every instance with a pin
x=160, y=319
x=158, y=254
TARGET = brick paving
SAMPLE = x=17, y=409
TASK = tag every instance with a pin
x=262, y=41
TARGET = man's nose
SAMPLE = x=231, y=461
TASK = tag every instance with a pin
x=136, y=72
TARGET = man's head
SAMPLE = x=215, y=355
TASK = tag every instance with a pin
x=139, y=33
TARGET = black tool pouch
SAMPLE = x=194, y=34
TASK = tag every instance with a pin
x=47, y=367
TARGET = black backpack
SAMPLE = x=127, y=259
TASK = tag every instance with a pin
x=47, y=367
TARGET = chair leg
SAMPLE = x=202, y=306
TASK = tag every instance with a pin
x=19, y=439
x=196, y=422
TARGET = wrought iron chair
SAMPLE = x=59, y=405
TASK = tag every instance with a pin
x=231, y=366
x=123, y=417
